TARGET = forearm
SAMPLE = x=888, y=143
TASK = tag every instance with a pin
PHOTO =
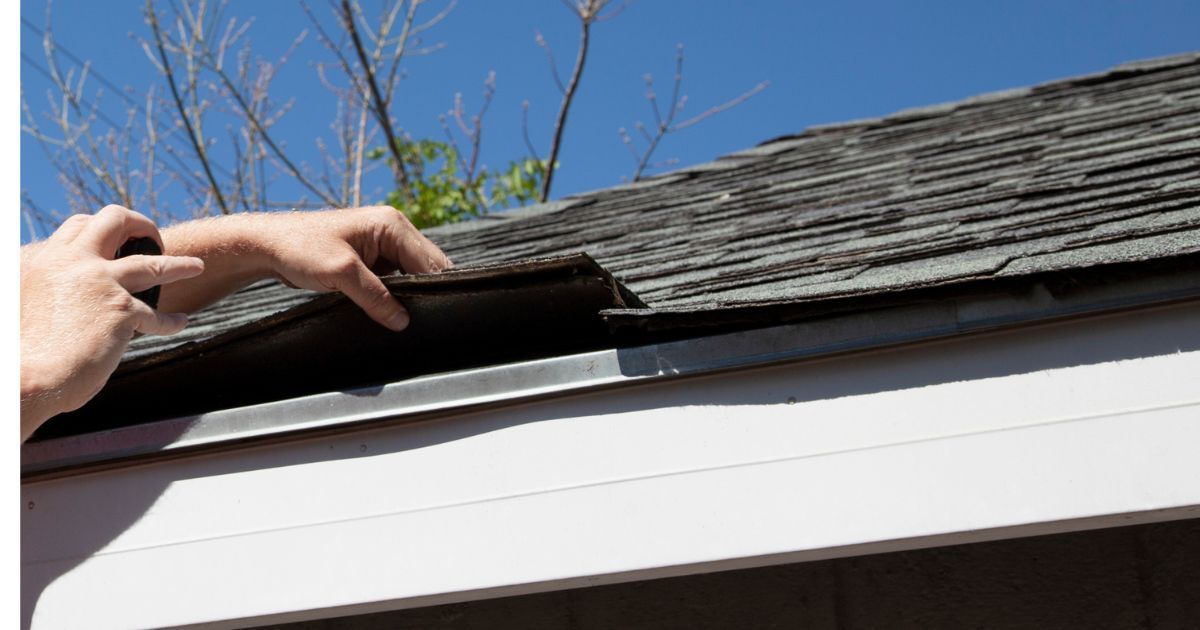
x=39, y=387
x=234, y=254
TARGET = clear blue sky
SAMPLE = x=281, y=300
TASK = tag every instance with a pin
x=826, y=62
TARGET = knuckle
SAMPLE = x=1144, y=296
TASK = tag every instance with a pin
x=344, y=265
x=396, y=216
x=381, y=296
x=123, y=302
x=113, y=208
x=156, y=265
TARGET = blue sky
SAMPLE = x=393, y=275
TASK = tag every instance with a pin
x=826, y=62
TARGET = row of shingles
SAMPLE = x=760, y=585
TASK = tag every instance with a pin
x=757, y=292
x=570, y=230
x=703, y=249
x=617, y=223
x=1034, y=122
x=1166, y=233
x=650, y=259
x=1154, y=173
x=631, y=211
x=639, y=218
x=245, y=306
x=1042, y=186
x=1124, y=161
x=789, y=262
x=1132, y=216
x=759, y=226
x=777, y=239
x=987, y=248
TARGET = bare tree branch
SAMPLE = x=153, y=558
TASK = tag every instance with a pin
x=380, y=105
x=587, y=11
x=201, y=154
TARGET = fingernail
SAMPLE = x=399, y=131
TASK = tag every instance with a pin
x=398, y=321
x=179, y=321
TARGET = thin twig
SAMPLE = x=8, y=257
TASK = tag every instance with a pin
x=722, y=107
x=525, y=130
x=541, y=41
x=666, y=124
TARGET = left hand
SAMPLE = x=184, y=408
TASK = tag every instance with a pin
x=78, y=312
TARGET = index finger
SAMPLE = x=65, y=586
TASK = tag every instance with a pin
x=112, y=226
x=404, y=244
x=367, y=291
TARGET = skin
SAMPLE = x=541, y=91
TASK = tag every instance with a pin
x=78, y=313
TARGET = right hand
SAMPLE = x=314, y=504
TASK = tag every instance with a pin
x=78, y=313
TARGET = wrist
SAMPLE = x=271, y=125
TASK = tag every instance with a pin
x=235, y=254
x=39, y=397
x=233, y=245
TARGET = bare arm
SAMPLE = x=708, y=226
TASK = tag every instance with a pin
x=334, y=250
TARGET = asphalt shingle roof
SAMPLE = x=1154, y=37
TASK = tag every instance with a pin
x=1066, y=175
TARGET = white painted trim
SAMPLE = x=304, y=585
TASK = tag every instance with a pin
x=1009, y=434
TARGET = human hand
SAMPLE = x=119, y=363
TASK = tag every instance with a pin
x=78, y=313
x=343, y=250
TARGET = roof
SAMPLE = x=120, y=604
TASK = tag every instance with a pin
x=1057, y=178
x=1100, y=168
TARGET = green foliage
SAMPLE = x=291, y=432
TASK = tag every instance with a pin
x=442, y=191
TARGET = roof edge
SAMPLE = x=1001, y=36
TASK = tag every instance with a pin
x=431, y=396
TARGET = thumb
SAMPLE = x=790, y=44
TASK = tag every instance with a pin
x=138, y=273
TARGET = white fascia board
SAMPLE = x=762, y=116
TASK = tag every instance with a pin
x=939, y=443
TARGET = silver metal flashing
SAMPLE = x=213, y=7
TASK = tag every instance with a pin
x=439, y=394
